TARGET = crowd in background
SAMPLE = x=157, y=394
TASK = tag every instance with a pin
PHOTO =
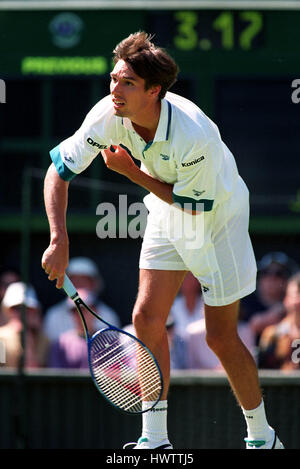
x=269, y=320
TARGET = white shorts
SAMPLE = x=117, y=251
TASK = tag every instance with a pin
x=222, y=260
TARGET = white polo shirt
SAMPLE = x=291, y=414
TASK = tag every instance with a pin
x=187, y=150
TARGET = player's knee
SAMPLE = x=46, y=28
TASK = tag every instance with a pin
x=144, y=320
x=220, y=341
x=211, y=340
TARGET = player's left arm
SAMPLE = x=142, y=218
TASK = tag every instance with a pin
x=195, y=188
x=120, y=161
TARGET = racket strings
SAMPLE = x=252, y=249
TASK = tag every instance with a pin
x=124, y=370
x=146, y=384
x=137, y=353
x=111, y=351
x=126, y=401
x=111, y=388
x=132, y=350
x=116, y=394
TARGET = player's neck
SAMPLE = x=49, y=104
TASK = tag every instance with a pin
x=146, y=124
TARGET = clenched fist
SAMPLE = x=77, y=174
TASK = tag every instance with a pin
x=119, y=160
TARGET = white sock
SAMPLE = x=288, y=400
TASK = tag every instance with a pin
x=257, y=425
x=155, y=421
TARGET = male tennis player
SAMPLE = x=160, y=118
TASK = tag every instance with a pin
x=184, y=161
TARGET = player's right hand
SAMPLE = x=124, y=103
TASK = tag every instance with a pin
x=119, y=160
x=55, y=261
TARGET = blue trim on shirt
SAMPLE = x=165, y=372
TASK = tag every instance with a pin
x=64, y=172
x=192, y=203
x=169, y=119
x=148, y=145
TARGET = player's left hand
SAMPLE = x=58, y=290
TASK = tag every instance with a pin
x=118, y=159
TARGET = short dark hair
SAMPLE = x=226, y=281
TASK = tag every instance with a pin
x=150, y=62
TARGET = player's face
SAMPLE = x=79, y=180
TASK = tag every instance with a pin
x=130, y=99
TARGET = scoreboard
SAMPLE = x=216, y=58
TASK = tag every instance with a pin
x=242, y=67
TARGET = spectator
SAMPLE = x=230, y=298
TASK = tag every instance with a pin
x=188, y=306
x=177, y=346
x=84, y=274
x=70, y=350
x=279, y=342
x=265, y=306
x=16, y=297
x=7, y=276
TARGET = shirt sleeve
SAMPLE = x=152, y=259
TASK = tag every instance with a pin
x=75, y=154
x=196, y=179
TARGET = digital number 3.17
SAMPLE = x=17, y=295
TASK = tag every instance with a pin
x=235, y=30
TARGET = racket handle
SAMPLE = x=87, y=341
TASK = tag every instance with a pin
x=69, y=288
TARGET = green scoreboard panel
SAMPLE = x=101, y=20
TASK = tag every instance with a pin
x=242, y=67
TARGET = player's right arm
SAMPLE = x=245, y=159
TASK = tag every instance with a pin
x=71, y=157
x=56, y=257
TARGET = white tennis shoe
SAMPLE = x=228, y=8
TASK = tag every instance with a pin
x=144, y=443
x=275, y=443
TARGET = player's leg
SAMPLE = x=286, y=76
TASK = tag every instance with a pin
x=156, y=294
x=161, y=274
x=226, y=268
x=240, y=367
x=222, y=337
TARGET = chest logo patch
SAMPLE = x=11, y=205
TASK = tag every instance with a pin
x=191, y=163
x=198, y=193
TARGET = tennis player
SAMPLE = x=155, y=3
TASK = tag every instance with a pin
x=184, y=163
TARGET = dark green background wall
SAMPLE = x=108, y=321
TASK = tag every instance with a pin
x=65, y=411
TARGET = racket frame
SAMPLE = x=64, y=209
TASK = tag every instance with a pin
x=74, y=296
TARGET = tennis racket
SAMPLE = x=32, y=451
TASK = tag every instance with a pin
x=123, y=369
